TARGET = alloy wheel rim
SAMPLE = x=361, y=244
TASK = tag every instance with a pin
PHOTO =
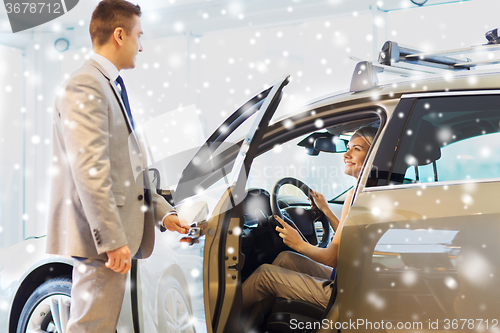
x=176, y=311
x=50, y=315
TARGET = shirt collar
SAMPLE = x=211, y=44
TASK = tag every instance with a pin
x=107, y=65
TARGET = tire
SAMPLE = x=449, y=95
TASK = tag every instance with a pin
x=175, y=314
x=47, y=309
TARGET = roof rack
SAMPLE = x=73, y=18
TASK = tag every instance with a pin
x=406, y=62
x=392, y=53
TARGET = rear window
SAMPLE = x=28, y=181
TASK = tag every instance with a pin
x=453, y=138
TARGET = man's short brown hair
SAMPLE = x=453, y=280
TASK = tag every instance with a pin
x=109, y=15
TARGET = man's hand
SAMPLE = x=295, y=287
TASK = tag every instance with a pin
x=119, y=260
x=290, y=236
x=173, y=223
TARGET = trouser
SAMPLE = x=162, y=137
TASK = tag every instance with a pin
x=291, y=276
x=96, y=297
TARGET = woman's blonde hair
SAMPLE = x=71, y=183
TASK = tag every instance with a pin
x=367, y=133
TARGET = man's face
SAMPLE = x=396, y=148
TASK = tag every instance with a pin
x=132, y=44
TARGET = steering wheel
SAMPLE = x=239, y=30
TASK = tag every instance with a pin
x=312, y=215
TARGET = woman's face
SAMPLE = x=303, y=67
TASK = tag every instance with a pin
x=355, y=156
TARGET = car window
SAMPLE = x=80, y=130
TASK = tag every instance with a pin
x=323, y=172
x=473, y=158
x=450, y=138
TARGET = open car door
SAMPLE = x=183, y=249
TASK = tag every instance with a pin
x=221, y=167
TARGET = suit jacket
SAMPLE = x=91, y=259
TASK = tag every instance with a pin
x=97, y=201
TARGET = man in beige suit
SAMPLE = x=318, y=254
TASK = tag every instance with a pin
x=101, y=209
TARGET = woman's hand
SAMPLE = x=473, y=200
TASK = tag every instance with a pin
x=290, y=236
x=320, y=201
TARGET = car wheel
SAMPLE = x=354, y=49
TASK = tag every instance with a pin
x=174, y=308
x=47, y=309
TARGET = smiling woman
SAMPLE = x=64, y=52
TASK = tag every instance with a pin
x=357, y=149
x=306, y=275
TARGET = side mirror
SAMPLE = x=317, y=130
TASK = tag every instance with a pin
x=330, y=144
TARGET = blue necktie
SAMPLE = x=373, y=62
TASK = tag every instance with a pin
x=123, y=92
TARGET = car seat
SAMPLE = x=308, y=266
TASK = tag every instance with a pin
x=426, y=149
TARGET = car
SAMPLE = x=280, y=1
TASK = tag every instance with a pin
x=419, y=246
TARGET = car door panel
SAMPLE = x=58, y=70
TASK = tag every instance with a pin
x=220, y=280
x=216, y=160
x=424, y=254
x=420, y=254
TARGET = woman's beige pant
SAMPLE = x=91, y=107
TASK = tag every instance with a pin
x=291, y=276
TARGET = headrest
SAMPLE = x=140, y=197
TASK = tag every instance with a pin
x=427, y=147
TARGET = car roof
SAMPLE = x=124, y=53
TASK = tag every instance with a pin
x=472, y=80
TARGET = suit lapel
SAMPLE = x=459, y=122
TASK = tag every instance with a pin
x=117, y=95
x=122, y=106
